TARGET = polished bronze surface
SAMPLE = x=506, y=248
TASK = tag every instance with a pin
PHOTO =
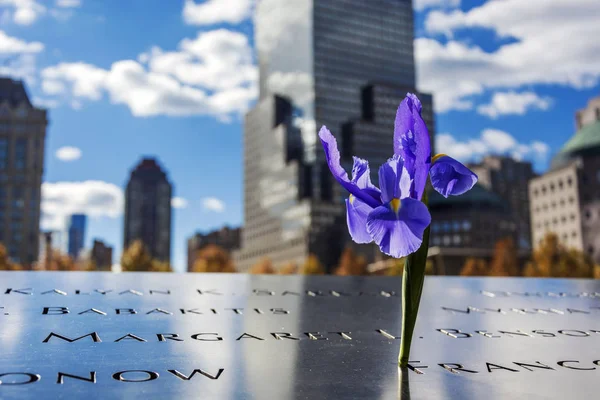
x=220, y=336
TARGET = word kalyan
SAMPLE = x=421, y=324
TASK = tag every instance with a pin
x=202, y=292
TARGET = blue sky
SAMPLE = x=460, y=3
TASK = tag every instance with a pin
x=172, y=79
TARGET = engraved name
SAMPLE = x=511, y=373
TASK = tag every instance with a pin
x=131, y=376
x=202, y=292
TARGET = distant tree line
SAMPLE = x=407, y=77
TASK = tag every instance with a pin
x=550, y=260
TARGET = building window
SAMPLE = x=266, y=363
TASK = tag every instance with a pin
x=466, y=225
x=561, y=184
x=456, y=240
x=21, y=153
x=3, y=152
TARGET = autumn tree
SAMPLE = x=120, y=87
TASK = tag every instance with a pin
x=5, y=263
x=552, y=259
x=213, y=258
x=312, y=266
x=61, y=262
x=289, y=268
x=504, y=261
x=136, y=258
x=160, y=266
x=264, y=266
x=351, y=263
x=475, y=267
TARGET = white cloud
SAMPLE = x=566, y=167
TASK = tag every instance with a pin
x=218, y=59
x=13, y=45
x=420, y=5
x=216, y=11
x=93, y=198
x=45, y=103
x=51, y=87
x=179, y=202
x=491, y=141
x=556, y=43
x=24, y=12
x=505, y=103
x=20, y=66
x=68, y=3
x=87, y=80
x=68, y=153
x=212, y=74
x=213, y=204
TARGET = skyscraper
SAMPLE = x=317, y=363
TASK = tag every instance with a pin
x=76, y=234
x=226, y=237
x=321, y=62
x=148, y=209
x=101, y=255
x=22, y=135
x=509, y=179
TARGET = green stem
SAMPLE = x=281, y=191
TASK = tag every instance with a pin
x=412, y=287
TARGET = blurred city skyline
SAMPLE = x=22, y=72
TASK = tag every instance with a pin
x=179, y=90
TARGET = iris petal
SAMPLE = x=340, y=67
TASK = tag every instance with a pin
x=361, y=176
x=451, y=177
x=399, y=234
x=394, y=180
x=356, y=216
x=411, y=141
x=333, y=161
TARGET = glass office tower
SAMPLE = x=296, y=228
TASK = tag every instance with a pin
x=318, y=62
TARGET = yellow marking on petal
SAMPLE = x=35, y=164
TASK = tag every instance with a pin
x=395, y=204
x=351, y=198
x=437, y=156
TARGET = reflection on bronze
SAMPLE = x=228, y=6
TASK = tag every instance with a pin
x=403, y=384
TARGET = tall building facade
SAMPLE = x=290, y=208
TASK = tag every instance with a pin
x=566, y=200
x=466, y=226
x=76, y=234
x=226, y=237
x=101, y=255
x=22, y=136
x=148, y=209
x=317, y=59
x=509, y=179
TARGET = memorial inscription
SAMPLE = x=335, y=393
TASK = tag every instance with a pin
x=100, y=335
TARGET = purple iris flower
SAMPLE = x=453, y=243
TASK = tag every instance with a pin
x=393, y=215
